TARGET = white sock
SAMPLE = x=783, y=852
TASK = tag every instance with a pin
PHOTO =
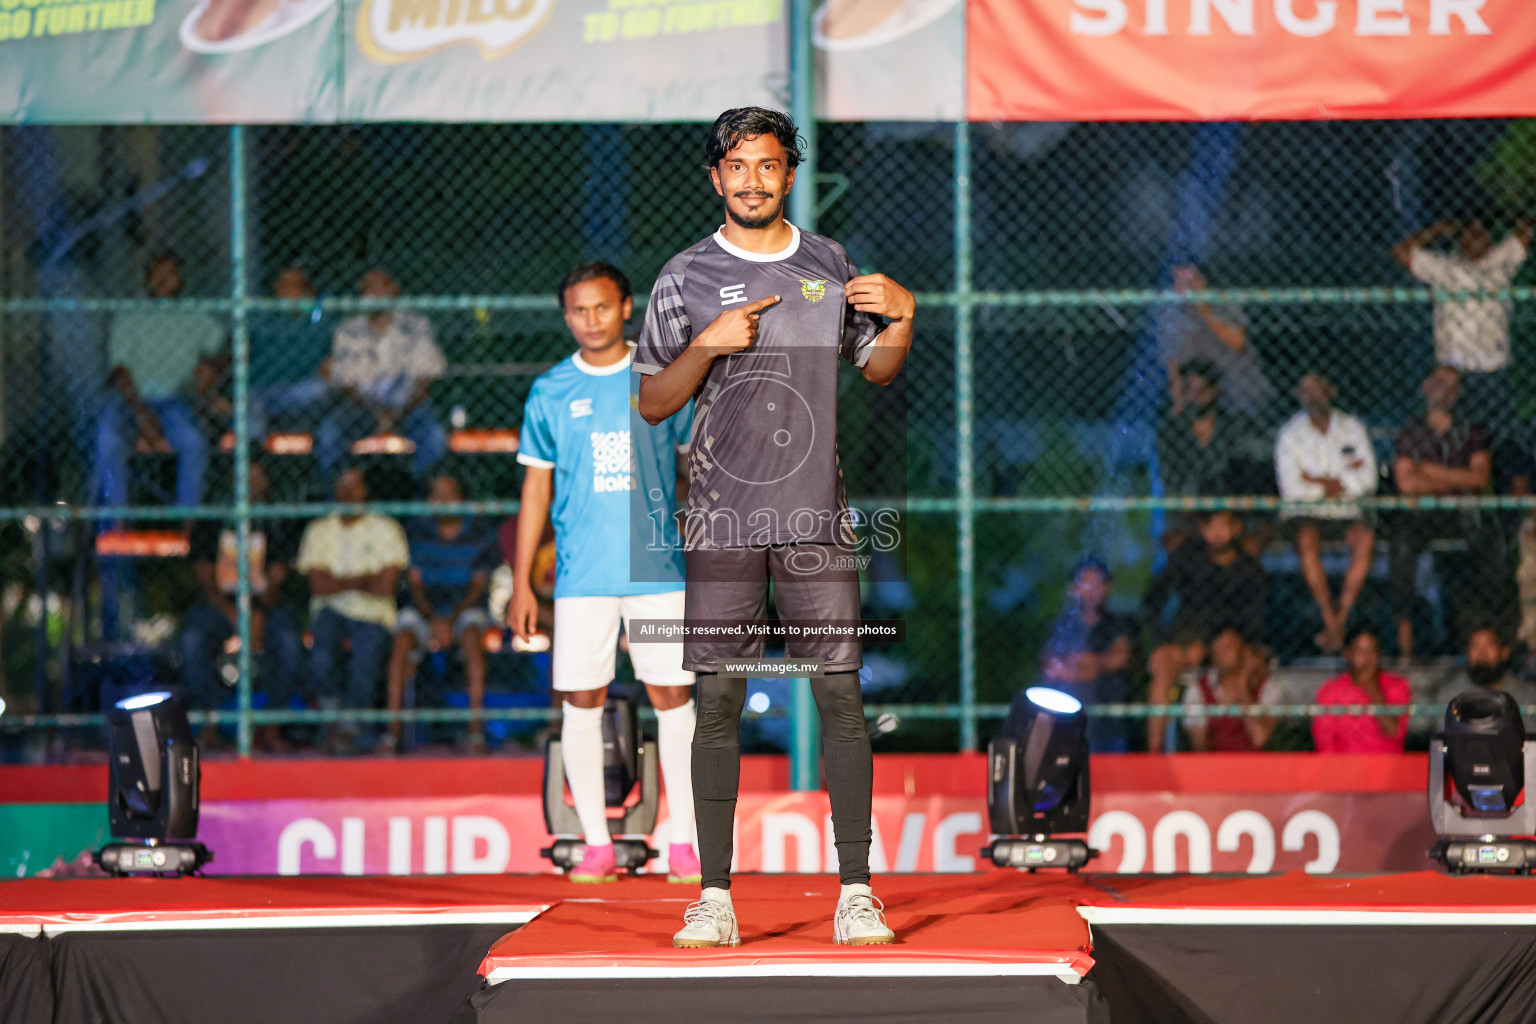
x=719, y=895
x=674, y=743
x=856, y=889
x=581, y=745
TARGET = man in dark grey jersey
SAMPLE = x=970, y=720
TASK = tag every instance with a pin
x=751, y=322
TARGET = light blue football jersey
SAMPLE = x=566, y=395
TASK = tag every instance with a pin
x=615, y=480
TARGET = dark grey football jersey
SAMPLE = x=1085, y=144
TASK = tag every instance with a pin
x=762, y=466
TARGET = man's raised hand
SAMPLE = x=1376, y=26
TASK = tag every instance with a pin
x=735, y=329
x=876, y=293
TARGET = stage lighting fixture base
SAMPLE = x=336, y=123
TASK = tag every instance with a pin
x=1034, y=852
x=628, y=854
x=171, y=858
x=1485, y=855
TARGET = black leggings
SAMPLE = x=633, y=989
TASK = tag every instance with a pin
x=717, y=770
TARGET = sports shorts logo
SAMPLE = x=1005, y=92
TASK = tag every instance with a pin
x=395, y=31
x=733, y=293
x=581, y=407
x=814, y=291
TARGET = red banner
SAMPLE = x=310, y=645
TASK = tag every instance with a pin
x=1136, y=832
x=1225, y=60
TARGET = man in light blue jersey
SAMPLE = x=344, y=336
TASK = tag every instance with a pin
x=588, y=459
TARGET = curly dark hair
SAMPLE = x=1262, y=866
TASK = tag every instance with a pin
x=739, y=123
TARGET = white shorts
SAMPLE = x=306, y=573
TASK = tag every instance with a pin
x=587, y=640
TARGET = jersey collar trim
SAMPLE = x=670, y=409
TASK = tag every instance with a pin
x=603, y=371
x=761, y=257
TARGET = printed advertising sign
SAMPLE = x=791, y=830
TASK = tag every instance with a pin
x=778, y=832
x=1221, y=60
x=308, y=61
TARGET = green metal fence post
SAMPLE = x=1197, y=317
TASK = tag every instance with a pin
x=804, y=738
x=241, y=341
x=803, y=768
x=965, y=481
x=802, y=107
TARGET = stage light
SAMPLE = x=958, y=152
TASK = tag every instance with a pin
x=1478, y=767
x=139, y=702
x=1037, y=786
x=758, y=702
x=152, y=788
x=2, y=705
x=1053, y=700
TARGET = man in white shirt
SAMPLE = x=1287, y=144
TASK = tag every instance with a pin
x=381, y=367
x=353, y=564
x=1322, y=454
x=1472, y=334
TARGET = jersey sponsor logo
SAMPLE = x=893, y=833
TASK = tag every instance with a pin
x=612, y=464
x=733, y=293
x=581, y=407
x=814, y=291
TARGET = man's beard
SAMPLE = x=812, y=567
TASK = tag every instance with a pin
x=762, y=220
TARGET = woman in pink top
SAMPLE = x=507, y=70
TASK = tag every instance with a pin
x=1364, y=683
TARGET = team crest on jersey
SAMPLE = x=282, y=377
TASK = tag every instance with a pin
x=814, y=291
x=581, y=407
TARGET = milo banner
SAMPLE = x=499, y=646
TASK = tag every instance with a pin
x=308, y=61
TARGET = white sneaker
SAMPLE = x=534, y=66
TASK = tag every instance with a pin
x=860, y=919
x=709, y=922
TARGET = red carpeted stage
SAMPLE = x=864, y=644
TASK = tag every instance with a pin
x=998, y=946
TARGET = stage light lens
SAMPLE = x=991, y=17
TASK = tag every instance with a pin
x=140, y=701
x=1053, y=700
x=758, y=702
x=2, y=705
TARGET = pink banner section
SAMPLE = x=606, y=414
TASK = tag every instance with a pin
x=791, y=832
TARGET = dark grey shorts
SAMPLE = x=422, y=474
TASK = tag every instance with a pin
x=810, y=586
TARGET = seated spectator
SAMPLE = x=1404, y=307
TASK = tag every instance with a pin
x=353, y=563
x=1489, y=667
x=164, y=366
x=1364, y=683
x=1472, y=334
x=1441, y=455
x=1087, y=654
x=1325, y=455
x=381, y=367
x=452, y=558
x=1219, y=336
x=209, y=626
x=289, y=364
x=1217, y=586
x=1238, y=674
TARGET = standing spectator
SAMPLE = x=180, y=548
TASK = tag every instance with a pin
x=1441, y=455
x=1218, y=586
x=1238, y=674
x=1364, y=683
x=452, y=558
x=1489, y=667
x=209, y=626
x=1472, y=334
x=353, y=563
x=1198, y=330
x=164, y=365
x=1325, y=455
x=1087, y=654
x=382, y=365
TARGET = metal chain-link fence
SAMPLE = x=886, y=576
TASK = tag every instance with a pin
x=1122, y=327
